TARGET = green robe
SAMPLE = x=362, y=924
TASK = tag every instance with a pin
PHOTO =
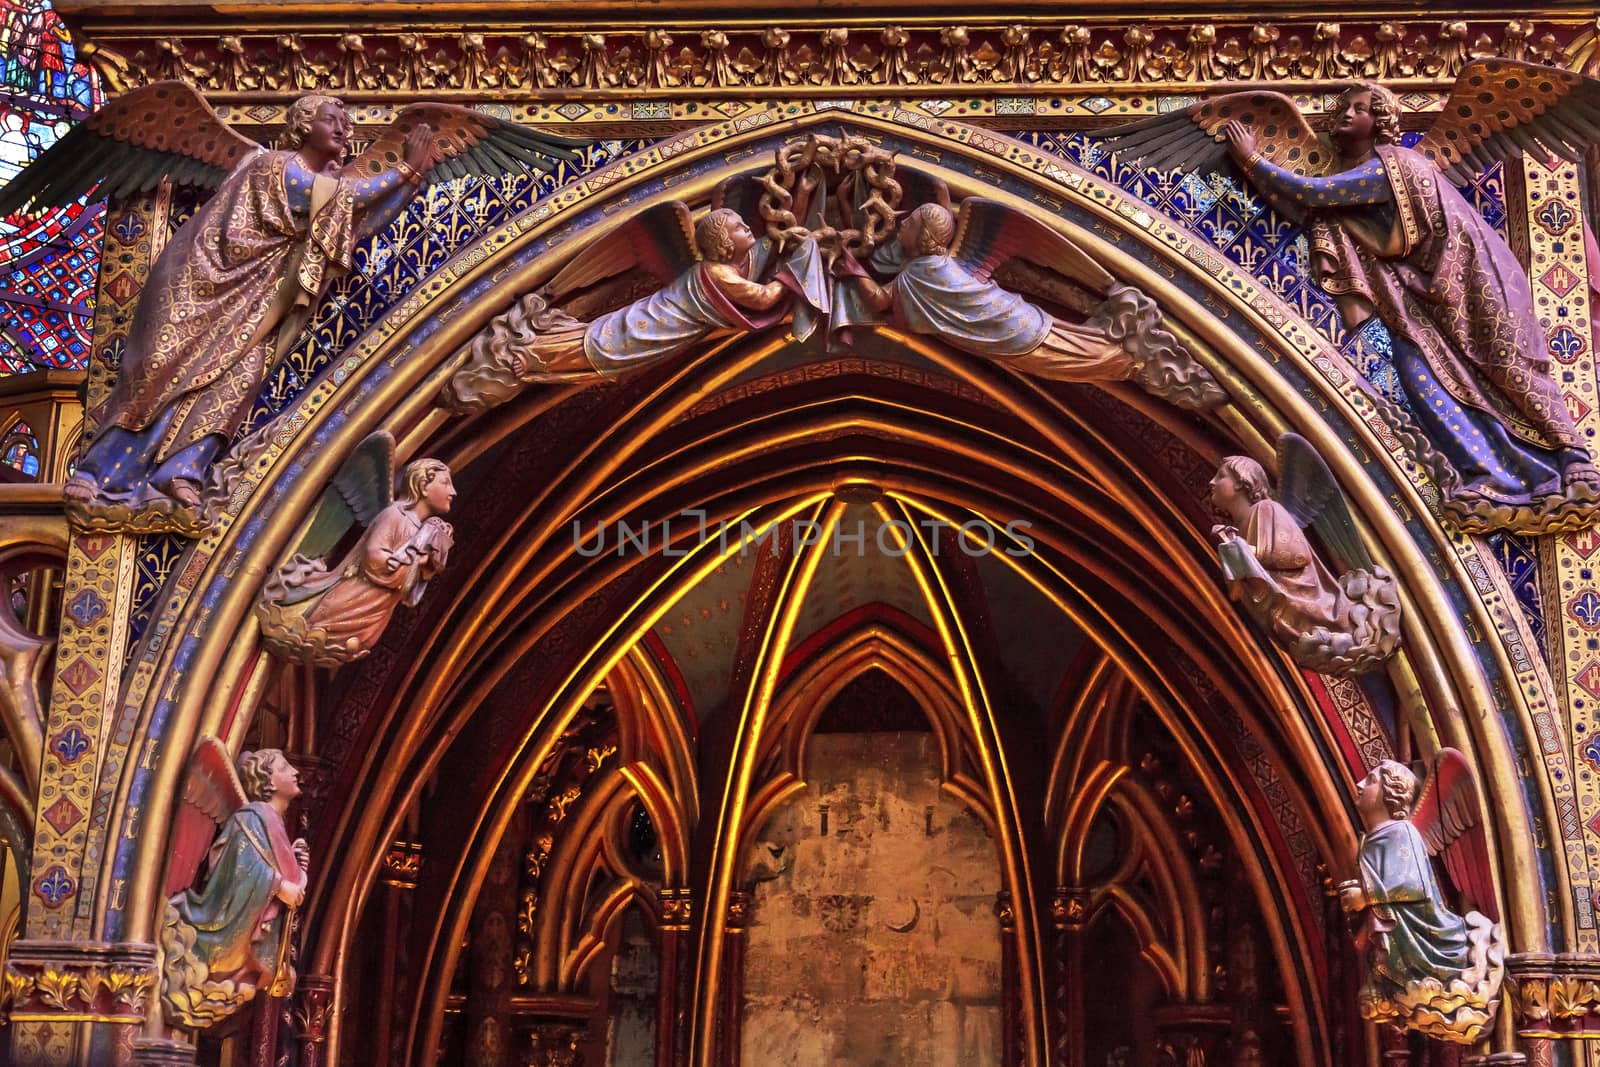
x=1414, y=936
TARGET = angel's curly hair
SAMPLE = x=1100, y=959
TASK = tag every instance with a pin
x=256, y=770
x=713, y=235
x=301, y=114
x=1385, y=110
x=1249, y=476
x=937, y=228
x=419, y=474
x=1399, y=786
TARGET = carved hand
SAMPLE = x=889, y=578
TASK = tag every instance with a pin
x=1352, y=898
x=291, y=893
x=1241, y=139
x=302, y=852
x=419, y=148
x=1223, y=532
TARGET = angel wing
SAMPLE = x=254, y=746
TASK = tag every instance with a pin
x=363, y=487
x=465, y=142
x=1449, y=816
x=165, y=130
x=658, y=243
x=741, y=193
x=1501, y=107
x=211, y=793
x=1306, y=487
x=988, y=234
x=1192, y=138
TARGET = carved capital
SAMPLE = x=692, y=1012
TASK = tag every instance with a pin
x=554, y=1044
x=402, y=864
x=313, y=1005
x=677, y=908
x=1069, y=908
x=90, y=981
x=1554, y=995
x=739, y=907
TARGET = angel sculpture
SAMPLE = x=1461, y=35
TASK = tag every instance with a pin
x=1391, y=238
x=222, y=944
x=1427, y=968
x=651, y=289
x=945, y=265
x=1343, y=625
x=311, y=613
x=237, y=281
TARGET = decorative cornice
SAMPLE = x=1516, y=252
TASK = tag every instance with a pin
x=1554, y=996
x=80, y=981
x=242, y=61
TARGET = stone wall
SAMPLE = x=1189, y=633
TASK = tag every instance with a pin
x=875, y=945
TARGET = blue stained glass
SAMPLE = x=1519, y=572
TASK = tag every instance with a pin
x=48, y=260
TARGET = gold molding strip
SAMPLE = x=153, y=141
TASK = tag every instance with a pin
x=501, y=59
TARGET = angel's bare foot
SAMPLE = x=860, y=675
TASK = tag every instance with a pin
x=184, y=492
x=80, y=489
x=1581, y=473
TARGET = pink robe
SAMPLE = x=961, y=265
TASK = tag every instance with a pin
x=356, y=609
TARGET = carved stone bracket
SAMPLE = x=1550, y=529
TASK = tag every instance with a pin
x=47, y=980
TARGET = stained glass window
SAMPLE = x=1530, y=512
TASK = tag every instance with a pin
x=48, y=260
x=19, y=449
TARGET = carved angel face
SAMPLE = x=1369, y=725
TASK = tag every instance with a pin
x=1224, y=490
x=441, y=492
x=1353, y=122
x=329, y=132
x=285, y=780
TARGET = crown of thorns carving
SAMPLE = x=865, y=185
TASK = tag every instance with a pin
x=853, y=168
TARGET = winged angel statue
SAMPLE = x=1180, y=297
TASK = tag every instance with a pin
x=326, y=616
x=229, y=940
x=236, y=282
x=1342, y=625
x=650, y=289
x=829, y=208
x=1428, y=968
x=1391, y=238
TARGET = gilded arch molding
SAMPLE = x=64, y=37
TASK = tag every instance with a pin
x=1280, y=374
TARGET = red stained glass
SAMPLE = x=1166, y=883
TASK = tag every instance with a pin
x=48, y=260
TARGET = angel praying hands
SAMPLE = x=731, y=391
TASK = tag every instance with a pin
x=1392, y=239
x=237, y=281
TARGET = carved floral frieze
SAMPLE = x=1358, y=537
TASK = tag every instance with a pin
x=385, y=61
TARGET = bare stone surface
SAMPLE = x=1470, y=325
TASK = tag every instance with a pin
x=876, y=944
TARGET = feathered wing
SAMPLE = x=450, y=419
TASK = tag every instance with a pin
x=363, y=487
x=1501, y=107
x=211, y=793
x=741, y=194
x=1449, y=815
x=1192, y=139
x=918, y=187
x=465, y=142
x=165, y=130
x=988, y=234
x=659, y=242
x=1306, y=487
